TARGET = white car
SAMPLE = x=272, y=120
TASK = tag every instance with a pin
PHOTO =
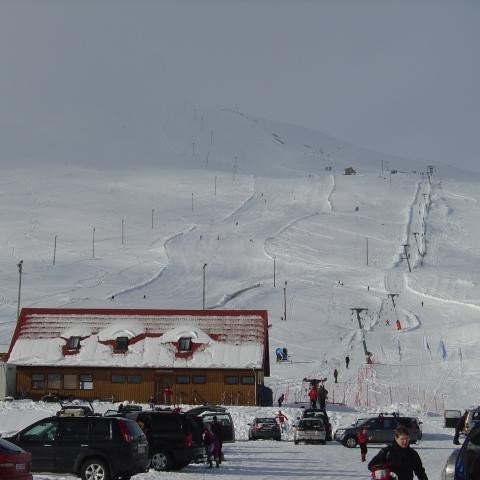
x=310, y=430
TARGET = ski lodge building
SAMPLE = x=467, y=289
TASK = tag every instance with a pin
x=205, y=356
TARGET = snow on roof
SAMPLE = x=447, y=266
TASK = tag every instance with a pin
x=223, y=339
x=195, y=333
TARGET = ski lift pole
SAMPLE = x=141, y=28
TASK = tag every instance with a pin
x=358, y=311
x=405, y=248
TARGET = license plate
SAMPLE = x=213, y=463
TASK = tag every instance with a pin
x=20, y=466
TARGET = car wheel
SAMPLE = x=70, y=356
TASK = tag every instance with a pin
x=323, y=442
x=350, y=442
x=161, y=461
x=295, y=442
x=94, y=469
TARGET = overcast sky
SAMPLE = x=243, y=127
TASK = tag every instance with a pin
x=396, y=76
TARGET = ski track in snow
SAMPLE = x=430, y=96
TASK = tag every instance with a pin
x=290, y=224
x=159, y=273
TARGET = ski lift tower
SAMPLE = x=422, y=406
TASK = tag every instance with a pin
x=358, y=312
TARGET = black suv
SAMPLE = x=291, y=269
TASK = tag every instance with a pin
x=174, y=439
x=91, y=447
x=380, y=429
x=309, y=413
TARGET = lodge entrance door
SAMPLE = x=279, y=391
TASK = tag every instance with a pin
x=161, y=381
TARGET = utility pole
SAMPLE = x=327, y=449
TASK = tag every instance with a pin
x=203, y=296
x=358, y=311
x=54, y=249
x=20, y=268
x=427, y=204
x=192, y=201
x=274, y=271
x=367, y=249
x=405, y=248
x=285, y=301
x=415, y=234
x=392, y=298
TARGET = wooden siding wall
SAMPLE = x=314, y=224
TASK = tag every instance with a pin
x=214, y=390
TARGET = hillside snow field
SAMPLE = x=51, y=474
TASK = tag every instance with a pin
x=268, y=208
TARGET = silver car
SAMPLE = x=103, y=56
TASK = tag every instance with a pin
x=473, y=418
x=310, y=430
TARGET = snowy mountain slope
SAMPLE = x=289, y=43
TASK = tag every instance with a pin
x=316, y=224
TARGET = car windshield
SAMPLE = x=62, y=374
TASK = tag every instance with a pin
x=222, y=418
x=7, y=447
x=313, y=423
x=133, y=428
x=265, y=420
x=314, y=413
x=361, y=421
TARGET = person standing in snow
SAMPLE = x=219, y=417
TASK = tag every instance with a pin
x=282, y=420
x=280, y=400
x=217, y=441
x=347, y=361
x=322, y=397
x=335, y=375
x=459, y=427
x=403, y=460
x=168, y=392
x=312, y=395
x=362, y=439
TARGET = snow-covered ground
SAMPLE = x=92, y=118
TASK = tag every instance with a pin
x=264, y=458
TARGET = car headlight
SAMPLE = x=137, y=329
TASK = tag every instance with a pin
x=448, y=472
x=340, y=432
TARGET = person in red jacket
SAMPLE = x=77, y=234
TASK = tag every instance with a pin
x=362, y=439
x=167, y=393
x=312, y=395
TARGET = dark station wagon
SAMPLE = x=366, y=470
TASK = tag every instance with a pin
x=380, y=429
x=91, y=447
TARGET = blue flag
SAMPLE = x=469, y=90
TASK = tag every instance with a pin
x=442, y=350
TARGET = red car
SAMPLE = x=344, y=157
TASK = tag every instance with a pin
x=15, y=462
